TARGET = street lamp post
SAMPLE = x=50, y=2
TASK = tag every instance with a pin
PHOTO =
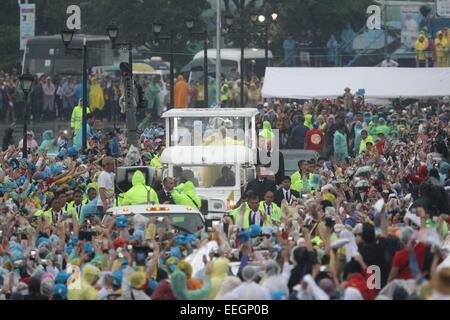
x=229, y=25
x=67, y=36
x=26, y=83
x=113, y=34
x=190, y=24
x=157, y=27
x=267, y=22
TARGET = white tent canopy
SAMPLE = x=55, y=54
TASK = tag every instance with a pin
x=378, y=83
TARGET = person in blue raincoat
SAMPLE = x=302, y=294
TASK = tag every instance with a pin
x=358, y=129
x=340, y=145
x=48, y=141
x=347, y=36
x=79, y=91
x=89, y=132
x=289, y=51
x=332, y=51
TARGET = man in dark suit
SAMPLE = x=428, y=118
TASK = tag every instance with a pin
x=261, y=184
x=285, y=192
x=164, y=195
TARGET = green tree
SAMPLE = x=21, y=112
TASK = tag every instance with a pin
x=9, y=42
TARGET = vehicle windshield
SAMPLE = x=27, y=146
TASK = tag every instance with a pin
x=202, y=131
x=207, y=176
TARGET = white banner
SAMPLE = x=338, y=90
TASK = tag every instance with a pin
x=27, y=23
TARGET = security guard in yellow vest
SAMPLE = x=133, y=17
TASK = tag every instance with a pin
x=271, y=209
x=224, y=93
x=250, y=214
x=74, y=207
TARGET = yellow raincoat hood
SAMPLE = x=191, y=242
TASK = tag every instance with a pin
x=138, y=194
x=266, y=132
x=308, y=121
x=219, y=271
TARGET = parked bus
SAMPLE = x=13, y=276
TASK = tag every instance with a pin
x=46, y=55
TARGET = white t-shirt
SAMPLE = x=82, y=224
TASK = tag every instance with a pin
x=106, y=180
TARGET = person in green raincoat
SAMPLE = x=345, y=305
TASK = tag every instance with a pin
x=340, y=145
x=266, y=132
x=48, y=141
x=179, y=287
x=156, y=162
x=224, y=93
x=372, y=126
x=308, y=121
x=184, y=194
x=382, y=128
x=138, y=194
x=77, y=117
x=300, y=178
x=241, y=215
x=152, y=94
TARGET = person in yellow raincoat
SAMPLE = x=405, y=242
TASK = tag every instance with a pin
x=139, y=193
x=441, y=45
x=219, y=137
x=267, y=132
x=184, y=194
x=96, y=96
x=83, y=288
x=308, y=121
x=219, y=271
x=156, y=162
x=77, y=116
x=421, y=47
x=241, y=215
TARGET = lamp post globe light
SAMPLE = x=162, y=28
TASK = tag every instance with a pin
x=67, y=36
x=254, y=16
x=229, y=20
x=113, y=32
x=26, y=84
x=157, y=27
x=266, y=21
x=189, y=23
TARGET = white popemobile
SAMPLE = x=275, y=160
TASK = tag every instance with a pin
x=216, y=149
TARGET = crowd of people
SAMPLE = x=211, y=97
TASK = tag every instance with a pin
x=373, y=199
x=433, y=52
x=313, y=50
